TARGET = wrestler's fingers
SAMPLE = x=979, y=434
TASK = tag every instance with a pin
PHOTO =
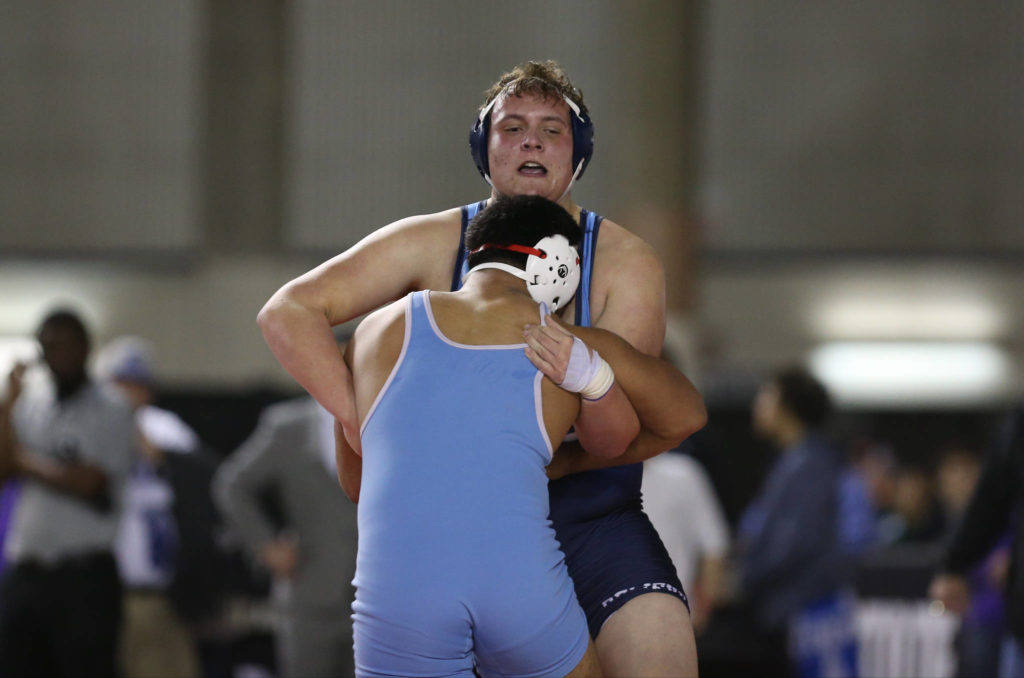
x=546, y=368
x=552, y=364
x=534, y=342
x=554, y=341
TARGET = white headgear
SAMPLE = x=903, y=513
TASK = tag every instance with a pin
x=552, y=269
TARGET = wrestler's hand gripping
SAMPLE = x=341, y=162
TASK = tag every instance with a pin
x=565, y=359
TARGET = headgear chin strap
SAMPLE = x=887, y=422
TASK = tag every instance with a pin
x=582, y=140
x=552, y=269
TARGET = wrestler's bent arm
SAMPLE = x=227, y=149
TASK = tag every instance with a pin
x=607, y=426
x=296, y=321
x=668, y=405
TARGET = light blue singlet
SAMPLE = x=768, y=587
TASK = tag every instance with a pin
x=456, y=554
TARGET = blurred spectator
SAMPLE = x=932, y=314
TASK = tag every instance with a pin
x=993, y=515
x=73, y=445
x=155, y=642
x=681, y=502
x=982, y=624
x=876, y=464
x=957, y=475
x=917, y=516
x=796, y=539
x=312, y=556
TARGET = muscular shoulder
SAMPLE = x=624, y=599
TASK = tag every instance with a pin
x=377, y=340
x=374, y=350
x=628, y=289
x=384, y=321
x=623, y=256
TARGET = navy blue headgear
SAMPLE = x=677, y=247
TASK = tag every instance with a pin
x=582, y=139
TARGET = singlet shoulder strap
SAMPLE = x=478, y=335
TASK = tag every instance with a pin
x=591, y=224
x=461, y=267
x=419, y=318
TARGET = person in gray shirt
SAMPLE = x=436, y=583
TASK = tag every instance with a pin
x=311, y=556
x=72, y=445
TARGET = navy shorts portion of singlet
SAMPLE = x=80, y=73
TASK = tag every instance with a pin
x=615, y=558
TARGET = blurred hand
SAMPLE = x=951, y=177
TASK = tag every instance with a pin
x=281, y=556
x=148, y=450
x=998, y=570
x=15, y=381
x=952, y=591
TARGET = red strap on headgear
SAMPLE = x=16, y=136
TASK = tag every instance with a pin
x=522, y=249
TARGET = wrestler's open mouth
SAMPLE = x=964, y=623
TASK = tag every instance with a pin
x=533, y=169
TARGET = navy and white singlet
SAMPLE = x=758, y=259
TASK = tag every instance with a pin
x=612, y=551
x=457, y=558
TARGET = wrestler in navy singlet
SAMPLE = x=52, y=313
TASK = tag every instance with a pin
x=611, y=549
x=457, y=559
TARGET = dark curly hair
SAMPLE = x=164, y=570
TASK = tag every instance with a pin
x=517, y=220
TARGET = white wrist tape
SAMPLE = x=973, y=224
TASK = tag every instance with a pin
x=587, y=373
x=602, y=381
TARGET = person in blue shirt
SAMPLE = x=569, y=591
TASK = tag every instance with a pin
x=797, y=539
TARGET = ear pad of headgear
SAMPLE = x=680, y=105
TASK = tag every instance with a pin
x=553, y=277
x=582, y=138
x=478, y=140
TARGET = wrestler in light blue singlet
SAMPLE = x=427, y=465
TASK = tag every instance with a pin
x=456, y=554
